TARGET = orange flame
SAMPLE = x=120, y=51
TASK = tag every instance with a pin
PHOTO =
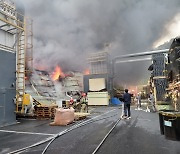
x=86, y=72
x=57, y=73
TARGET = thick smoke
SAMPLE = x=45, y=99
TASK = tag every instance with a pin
x=65, y=31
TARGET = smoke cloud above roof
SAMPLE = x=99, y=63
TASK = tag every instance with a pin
x=66, y=31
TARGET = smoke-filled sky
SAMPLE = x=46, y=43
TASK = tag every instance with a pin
x=65, y=31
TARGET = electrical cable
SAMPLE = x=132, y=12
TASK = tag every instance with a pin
x=51, y=139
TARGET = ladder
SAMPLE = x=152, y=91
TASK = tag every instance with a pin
x=20, y=71
x=24, y=60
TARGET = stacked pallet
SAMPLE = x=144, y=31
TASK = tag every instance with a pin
x=80, y=116
x=45, y=112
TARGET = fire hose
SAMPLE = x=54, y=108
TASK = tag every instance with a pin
x=101, y=143
x=51, y=139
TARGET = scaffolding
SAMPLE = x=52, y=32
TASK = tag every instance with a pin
x=16, y=24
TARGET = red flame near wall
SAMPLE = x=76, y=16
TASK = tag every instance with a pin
x=57, y=73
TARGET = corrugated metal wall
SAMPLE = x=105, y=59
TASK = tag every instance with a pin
x=159, y=64
x=6, y=39
x=160, y=83
x=7, y=87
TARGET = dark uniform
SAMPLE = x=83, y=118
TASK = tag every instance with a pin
x=127, y=103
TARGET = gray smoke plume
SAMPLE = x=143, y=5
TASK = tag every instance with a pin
x=65, y=31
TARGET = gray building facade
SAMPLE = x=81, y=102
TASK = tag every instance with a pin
x=7, y=87
x=7, y=63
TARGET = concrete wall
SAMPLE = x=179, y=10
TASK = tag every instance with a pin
x=7, y=87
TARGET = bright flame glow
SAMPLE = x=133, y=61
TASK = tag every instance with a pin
x=172, y=31
x=86, y=72
x=57, y=73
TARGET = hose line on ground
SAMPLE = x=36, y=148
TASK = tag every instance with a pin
x=51, y=139
x=74, y=128
x=100, y=144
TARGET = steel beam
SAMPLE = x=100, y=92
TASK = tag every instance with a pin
x=147, y=53
x=12, y=24
x=133, y=60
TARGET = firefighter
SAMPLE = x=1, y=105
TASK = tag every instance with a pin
x=84, y=103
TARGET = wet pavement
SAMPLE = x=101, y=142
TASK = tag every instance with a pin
x=138, y=135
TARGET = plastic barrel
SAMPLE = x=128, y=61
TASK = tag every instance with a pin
x=172, y=125
x=161, y=120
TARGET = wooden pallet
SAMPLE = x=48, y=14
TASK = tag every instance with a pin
x=45, y=112
x=80, y=116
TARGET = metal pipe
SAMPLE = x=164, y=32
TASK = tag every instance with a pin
x=133, y=60
x=147, y=53
x=115, y=60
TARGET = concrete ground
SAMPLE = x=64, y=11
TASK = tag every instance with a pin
x=138, y=135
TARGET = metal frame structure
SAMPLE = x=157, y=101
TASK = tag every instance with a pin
x=99, y=63
x=121, y=59
x=99, y=57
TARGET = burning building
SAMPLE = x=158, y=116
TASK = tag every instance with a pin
x=41, y=87
x=53, y=87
